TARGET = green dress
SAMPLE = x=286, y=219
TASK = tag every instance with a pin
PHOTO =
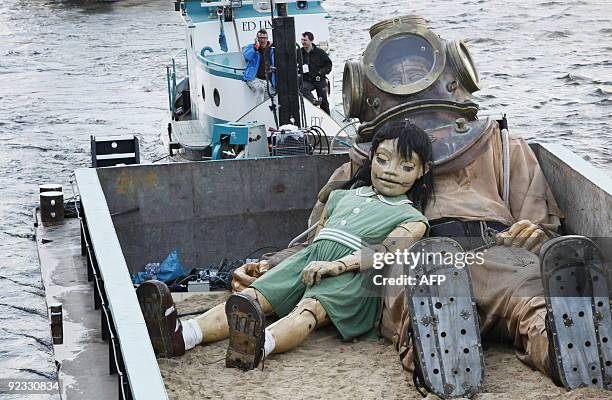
x=353, y=216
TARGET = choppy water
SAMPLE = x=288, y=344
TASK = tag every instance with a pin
x=69, y=69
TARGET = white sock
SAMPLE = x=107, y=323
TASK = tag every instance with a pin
x=269, y=344
x=192, y=334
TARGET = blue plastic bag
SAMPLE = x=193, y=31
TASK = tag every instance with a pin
x=169, y=270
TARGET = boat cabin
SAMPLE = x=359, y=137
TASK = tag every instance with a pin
x=209, y=88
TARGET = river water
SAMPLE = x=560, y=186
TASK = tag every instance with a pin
x=70, y=69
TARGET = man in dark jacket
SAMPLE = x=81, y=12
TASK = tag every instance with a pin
x=314, y=66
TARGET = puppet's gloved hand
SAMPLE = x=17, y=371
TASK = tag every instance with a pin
x=319, y=269
x=523, y=234
x=243, y=276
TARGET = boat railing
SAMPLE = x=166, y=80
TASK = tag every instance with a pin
x=202, y=56
x=171, y=77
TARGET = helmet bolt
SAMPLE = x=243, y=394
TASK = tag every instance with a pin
x=461, y=125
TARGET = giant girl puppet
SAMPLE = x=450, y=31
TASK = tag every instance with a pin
x=325, y=281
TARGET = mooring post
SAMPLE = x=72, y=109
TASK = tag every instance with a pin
x=57, y=325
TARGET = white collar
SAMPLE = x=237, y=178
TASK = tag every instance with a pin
x=368, y=191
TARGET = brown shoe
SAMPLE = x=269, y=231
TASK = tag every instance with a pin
x=164, y=327
x=246, y=332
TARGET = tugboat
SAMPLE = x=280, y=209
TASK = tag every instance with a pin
x=208, y=98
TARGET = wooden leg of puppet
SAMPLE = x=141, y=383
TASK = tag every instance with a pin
x=213, y=322
x=290, y=331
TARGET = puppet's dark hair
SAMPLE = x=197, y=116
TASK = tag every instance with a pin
x=411, y=138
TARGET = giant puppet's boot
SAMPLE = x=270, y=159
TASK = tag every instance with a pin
x=448, y=356
x=249, y=339
x=578, y=321
x=169, y=335
x=164, y=327
x=247, y=324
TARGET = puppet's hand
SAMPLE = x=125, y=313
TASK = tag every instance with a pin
x=318, y=269
x=523, y=234
x=243, y=276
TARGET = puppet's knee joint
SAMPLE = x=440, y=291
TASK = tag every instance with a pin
x=314, y=308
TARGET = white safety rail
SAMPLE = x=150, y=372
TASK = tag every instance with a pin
x=131, y=355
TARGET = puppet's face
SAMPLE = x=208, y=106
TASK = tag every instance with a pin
x=393, y=175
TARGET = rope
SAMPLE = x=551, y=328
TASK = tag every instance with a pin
x=506, y=167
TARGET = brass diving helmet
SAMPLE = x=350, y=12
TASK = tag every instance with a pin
x=408, y=71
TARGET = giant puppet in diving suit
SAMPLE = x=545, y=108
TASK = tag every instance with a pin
x=486, y=182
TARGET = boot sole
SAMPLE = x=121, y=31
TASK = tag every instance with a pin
x=151, y=301
x=578, y=303
x=246, y=332
x=445, y=329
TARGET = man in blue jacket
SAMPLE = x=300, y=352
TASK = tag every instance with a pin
x=260, y=65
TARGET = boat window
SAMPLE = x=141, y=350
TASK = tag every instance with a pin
x=404, y=59
x=191, y=41
x=217, y=97
x=203, y=93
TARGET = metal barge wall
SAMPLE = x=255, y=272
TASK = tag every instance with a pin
x=208, y=211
